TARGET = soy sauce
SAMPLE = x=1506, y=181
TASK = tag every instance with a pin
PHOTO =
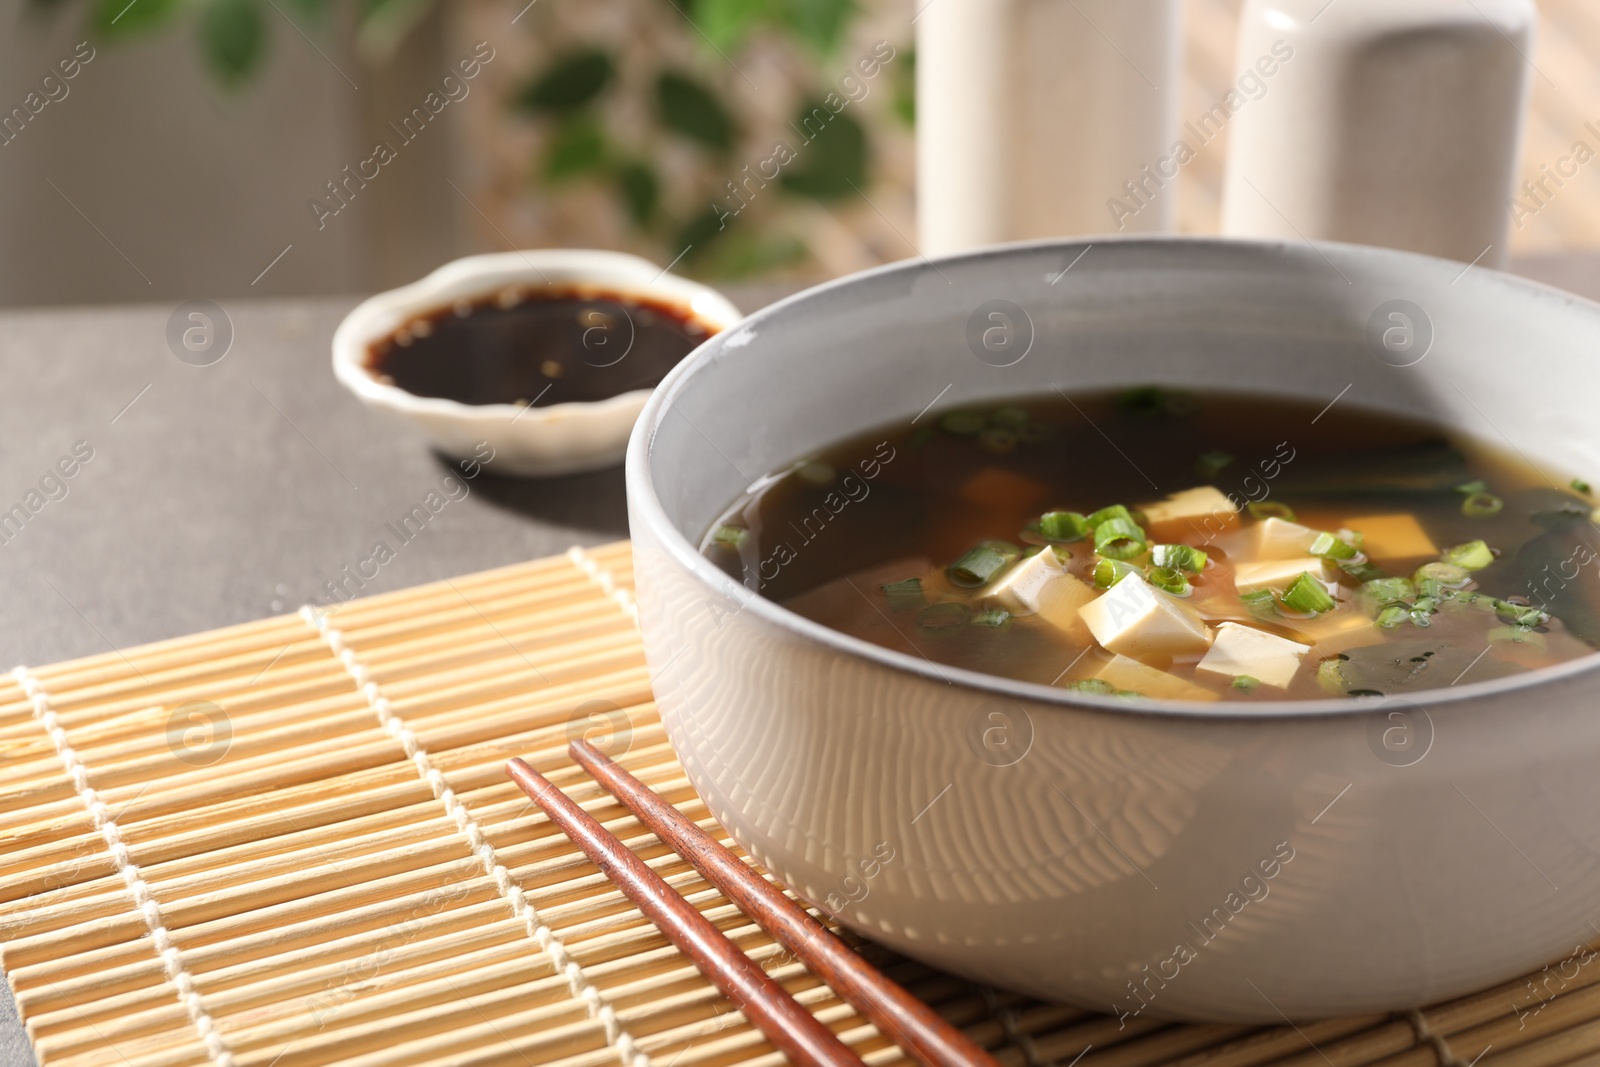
x=549, y=345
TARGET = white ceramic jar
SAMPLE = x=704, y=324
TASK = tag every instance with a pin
x=1392, y=124
x=1033, y=114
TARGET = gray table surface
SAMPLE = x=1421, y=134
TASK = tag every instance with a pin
x=226, y=493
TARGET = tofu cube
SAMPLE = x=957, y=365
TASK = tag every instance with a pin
x=1039, y=585
x=1244, y=650
x=1135, y=619
x=1281, y=539
x=1338, y=631
x=1136, y=677
x=1278, y=573
x=1202, y=511
x=1393, y=537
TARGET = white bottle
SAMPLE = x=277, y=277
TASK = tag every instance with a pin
x=1393, y=123
x=1032, y=115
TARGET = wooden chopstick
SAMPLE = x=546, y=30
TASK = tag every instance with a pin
x=907, y=1021
x=791, y=1028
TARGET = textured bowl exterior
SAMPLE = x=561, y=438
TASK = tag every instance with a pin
x=1212, y=862
x=557, y=439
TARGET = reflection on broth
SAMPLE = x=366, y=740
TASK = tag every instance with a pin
x=1180, y=546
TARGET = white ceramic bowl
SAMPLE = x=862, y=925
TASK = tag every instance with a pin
x=1222, y=861
x=557, y=439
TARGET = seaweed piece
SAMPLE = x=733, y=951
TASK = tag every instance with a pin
x=1548, y=567
x=1432, y=466
x=1551, y=509
x=1400, y=666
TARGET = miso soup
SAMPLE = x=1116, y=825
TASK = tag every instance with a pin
x=1180, y=546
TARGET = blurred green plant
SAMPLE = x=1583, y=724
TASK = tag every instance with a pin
x=575, y=92
x=571, y=97
x=233, y=35
x=728, y=23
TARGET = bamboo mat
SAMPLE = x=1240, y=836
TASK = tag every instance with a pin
x=292, y=842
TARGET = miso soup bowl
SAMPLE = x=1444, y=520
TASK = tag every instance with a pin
x=1146, y=859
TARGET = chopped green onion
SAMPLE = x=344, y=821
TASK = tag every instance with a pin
x=1331, y=546
x=978, y=566
x=1520, y=614
x=1118, y=538
x=1062, y=526
x=1393, y=616
x=1473, y=488
x=1520, y=635
x=1178, y=557
x=1429, y=587
x=815, y=472
x=1115, y=511
x=1422, y=611
x=1170, y=579
x=942, y=618
x=1307, y=595
x=1061, y=553
x=1108, y=572
x=1382, y=592
x=1097, y=686
x=1263, y=603
x=1270, y=509
x=997, y=440
x=1212, y=463
x=994, y=618
x=963, y=423
x=732, y=536
x=1581, y=486
x=1330, y=675
x=1481, y=505
x=1010, y=551
x=1009, y=417
x=906, y=593
x=1154, y=400
x=1474, y=555
x=1365, y=571
x=1246, y=684
x=1481, y=601
x=1448, y=575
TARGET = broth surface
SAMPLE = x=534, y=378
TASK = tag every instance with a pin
x=826, y=535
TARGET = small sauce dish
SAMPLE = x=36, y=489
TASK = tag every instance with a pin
x=548, y=356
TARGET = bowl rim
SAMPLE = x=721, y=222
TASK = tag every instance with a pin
x=621, y=273
x=646, y=503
